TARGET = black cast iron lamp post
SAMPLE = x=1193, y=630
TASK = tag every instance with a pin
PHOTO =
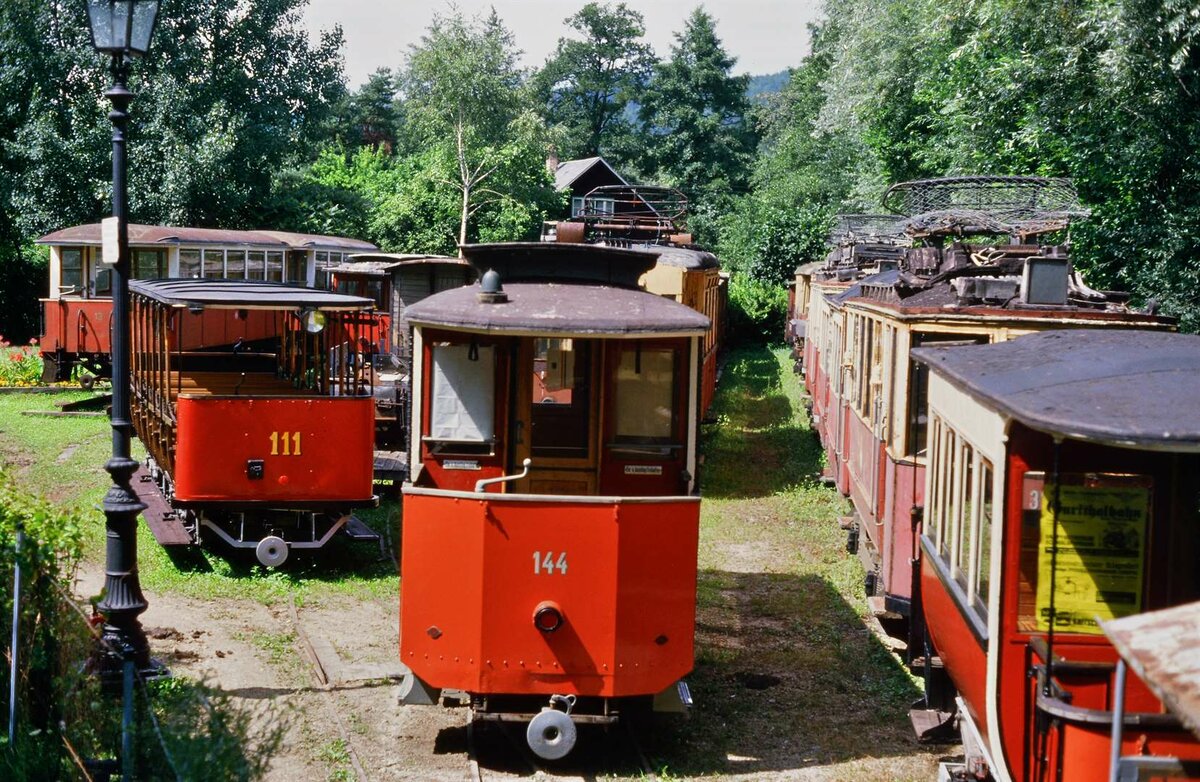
x=121, y=29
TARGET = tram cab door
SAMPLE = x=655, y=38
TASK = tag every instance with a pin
x=554, y=417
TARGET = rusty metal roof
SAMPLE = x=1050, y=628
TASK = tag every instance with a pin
x=155, y=235
x=382, y=264
x=681, y=257
x=245, y=294
x=562, y=261
x=1138, y=389
x=555, y=308
x=1163, y=649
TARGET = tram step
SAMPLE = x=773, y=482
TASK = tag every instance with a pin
x=933, y=727
x=163, y=520
x=357, y=530
x=846, y=522
x=879, y=609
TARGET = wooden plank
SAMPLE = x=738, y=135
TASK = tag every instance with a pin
x=162, y=520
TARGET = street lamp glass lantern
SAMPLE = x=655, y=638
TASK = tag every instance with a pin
x=122, y=26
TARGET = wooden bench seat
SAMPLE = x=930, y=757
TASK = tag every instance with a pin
x=235, y=384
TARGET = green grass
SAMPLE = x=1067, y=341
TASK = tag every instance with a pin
x=779, y=601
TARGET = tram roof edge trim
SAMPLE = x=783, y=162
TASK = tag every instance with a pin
x=237, y=294
x=558, y=308
x=1119, y=387
x=153, y=235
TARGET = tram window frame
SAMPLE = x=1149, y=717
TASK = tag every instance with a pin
x=980, y=592
x=275, y=261
x=147, y=264
x=190, y=262
x=628, y=410
x=256, y=265
x=70, y=274
x=213, y=264
x=916, y=440
x=466, y=415
x=296, y=270
x=235, y=264
x=964, y=517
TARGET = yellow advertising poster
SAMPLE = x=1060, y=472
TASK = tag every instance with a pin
x=1101, y=555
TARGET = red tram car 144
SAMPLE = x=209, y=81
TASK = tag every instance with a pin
x=551, y=520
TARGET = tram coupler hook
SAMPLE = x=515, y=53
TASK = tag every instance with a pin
x=564, y=703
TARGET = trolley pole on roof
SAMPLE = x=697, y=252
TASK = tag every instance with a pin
x=121, y=29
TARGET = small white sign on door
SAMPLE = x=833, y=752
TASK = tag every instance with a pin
x=108, y=241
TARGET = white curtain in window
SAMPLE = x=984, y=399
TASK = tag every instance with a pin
x=463, y=394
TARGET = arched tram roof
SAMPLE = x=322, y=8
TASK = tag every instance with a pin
x=1133, y=389
x=238, y=294
x=563, y=289
x=559, y=308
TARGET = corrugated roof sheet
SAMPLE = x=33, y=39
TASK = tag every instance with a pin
x=553, y=308
x=1163, y=649
x=1121, y=387
x=251, y=294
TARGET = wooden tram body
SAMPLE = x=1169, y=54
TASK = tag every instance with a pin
x=867, y=310
x=77, y=312
x=263, y=435
x=551, y=518
x=1062, y=488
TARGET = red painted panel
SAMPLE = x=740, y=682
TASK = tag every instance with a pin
x=627, y=594
x=77, y=325
x=217, y=435
x=963, y=656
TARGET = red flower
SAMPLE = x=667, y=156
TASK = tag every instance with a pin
x=33, y=340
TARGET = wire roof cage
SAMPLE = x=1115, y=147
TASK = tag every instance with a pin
x=1019, y=205
x=634, y=211
x=876, y=229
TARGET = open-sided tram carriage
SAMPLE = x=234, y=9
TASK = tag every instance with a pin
x=264, y=435
x=551, y=519
x=1063, y=489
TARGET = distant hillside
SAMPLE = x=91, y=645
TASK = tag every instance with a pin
x=763, y=85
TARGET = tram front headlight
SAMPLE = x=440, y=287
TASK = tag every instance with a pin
x=314, y=321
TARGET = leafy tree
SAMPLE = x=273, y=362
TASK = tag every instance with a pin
x=589, y=82
x=470, y=115
x=695, y=114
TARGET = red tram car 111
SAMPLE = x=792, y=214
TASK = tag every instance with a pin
x=551, y=519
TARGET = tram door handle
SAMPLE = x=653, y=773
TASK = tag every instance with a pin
x=519, y=434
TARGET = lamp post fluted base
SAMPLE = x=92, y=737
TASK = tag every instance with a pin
x=123, y=637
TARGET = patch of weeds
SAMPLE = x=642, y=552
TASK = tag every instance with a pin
x=335, y=753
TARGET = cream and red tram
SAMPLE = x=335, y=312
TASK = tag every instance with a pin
x=253, y=400
x=551, y=517
x=1061, y=489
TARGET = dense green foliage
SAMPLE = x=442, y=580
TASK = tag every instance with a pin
x=1106, y=92
x=242, y=120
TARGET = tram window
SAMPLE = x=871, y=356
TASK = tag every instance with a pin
x=275, y=266
x=235, y=264
x=560, y=414
x=297, y=265
x=645, y=408
x=946, y=501
x=71, y=275
x=463, y=404
x=375, y=291
x=918, y=386
x=256, y=265
x=214, y=263
x=983, y=548
x=321, y=279
x=933, y=509
x=189, y=263
x=963, y=520
x=103, y=284
x=147, y=264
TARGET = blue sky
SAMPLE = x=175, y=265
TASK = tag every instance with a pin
x=765, y=35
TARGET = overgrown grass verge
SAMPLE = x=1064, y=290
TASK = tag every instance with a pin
x=67, y=720
x=787, y=674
